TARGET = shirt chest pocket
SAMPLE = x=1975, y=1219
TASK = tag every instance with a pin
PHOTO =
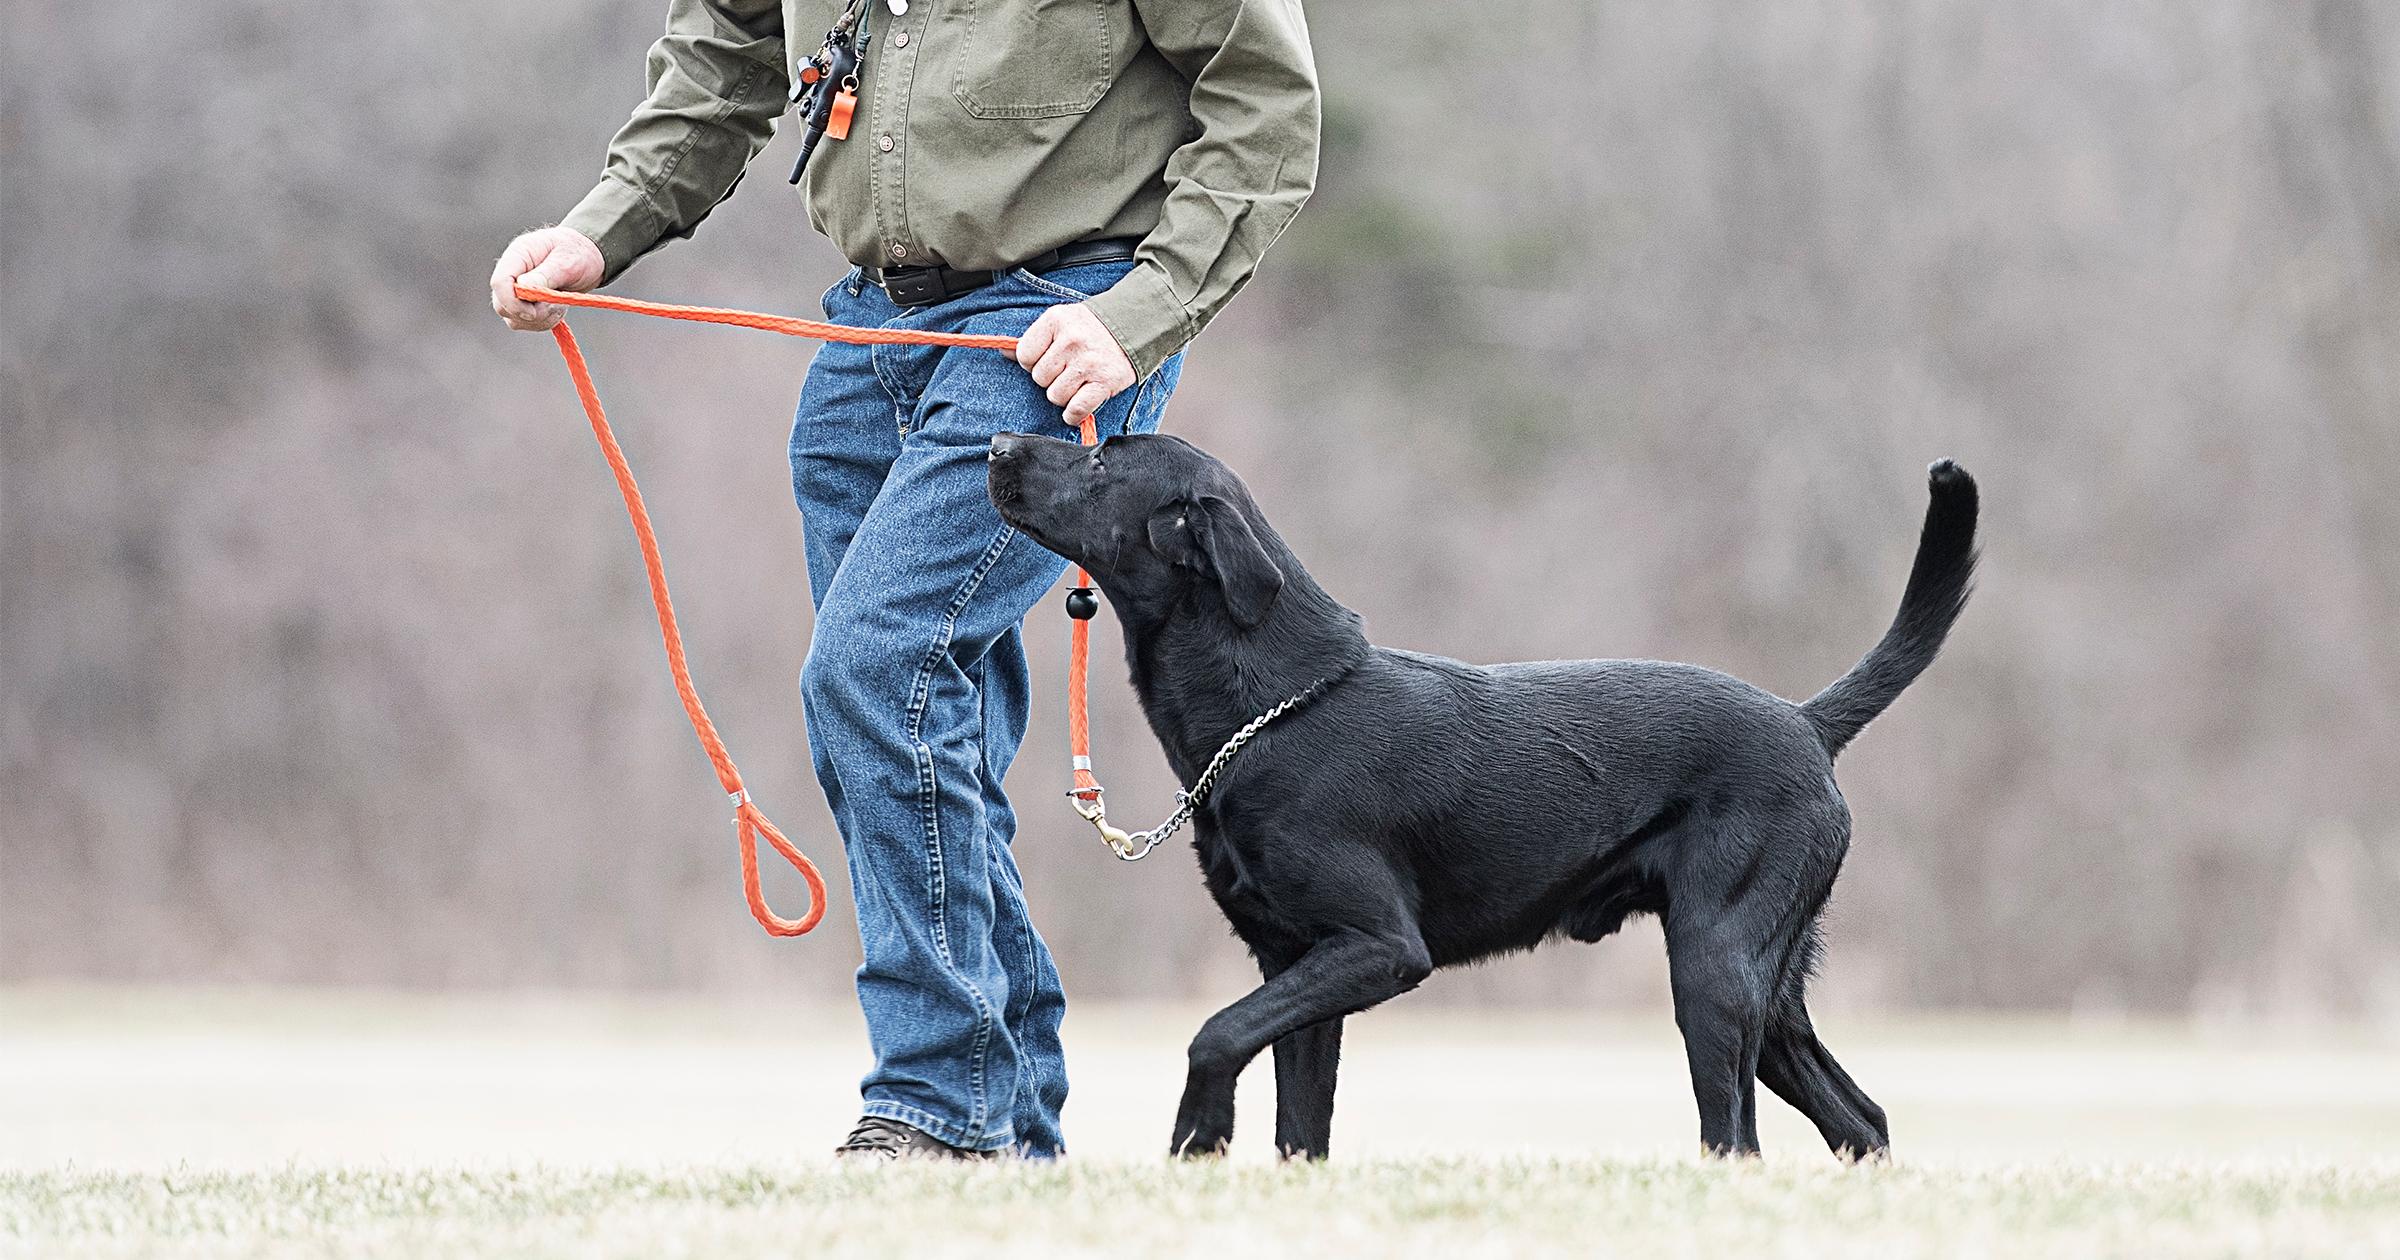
x=1036, y=58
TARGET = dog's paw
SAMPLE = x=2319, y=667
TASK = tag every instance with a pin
x=1200, y=1146
x=1203, y=1128
x=1204, y=1118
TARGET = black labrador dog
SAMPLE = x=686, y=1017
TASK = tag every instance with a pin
x=1415, y=812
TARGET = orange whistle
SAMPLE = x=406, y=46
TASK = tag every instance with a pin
x=837, y=124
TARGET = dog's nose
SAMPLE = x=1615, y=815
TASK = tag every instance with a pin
x=1006, y=446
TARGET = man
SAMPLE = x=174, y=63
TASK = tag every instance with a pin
x=1097, y=176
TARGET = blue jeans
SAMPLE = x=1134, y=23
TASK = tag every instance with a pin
x=916, y=694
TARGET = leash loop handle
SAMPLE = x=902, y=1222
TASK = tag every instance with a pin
x=749, y=822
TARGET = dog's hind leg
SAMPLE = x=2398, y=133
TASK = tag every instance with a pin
x=1306, y=1064
x=1793, y=1062
x=1722, y=982
x=1803, y=1072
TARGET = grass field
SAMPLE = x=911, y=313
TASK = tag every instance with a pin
x=139, y=1124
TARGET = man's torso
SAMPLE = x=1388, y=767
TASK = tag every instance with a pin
x=989, y=131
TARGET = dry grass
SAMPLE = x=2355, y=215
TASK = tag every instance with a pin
x=1453, y=1208
x=274, y=1125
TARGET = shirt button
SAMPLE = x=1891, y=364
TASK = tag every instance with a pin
x=899, y=249
x=900, y=40
x=884, y=142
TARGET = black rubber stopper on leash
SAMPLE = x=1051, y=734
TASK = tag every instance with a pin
x=1082, y=605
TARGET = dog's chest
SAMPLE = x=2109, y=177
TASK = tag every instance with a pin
x=1235, y=881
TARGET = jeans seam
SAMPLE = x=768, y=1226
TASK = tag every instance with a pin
x=891, y=389
x=979, y=1111
x=1019, y=1007
x=929, y=810
x=903, y=403
x=958, y=603
x=935, y=1125
x=1141, y=390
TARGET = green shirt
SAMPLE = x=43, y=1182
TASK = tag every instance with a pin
x=992, y=131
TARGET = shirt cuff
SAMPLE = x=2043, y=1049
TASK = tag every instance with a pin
x=1141, y=312
x=618, y=219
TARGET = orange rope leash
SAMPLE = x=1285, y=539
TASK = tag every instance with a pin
x=1079, y=660
x=815, y=330
x=749, y=822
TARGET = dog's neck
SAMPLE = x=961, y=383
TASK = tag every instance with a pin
x=1200, y=677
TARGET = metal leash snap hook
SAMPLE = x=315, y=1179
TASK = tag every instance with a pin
x=1095, y=811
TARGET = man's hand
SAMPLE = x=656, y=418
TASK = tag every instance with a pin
x=1074, y=356
x=552, y=257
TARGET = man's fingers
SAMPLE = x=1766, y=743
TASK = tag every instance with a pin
x=1036, y=342
x=520, y=314
x=1086, y=402
x=546, y=258
x=522, y=259
x=534, y=319
x=1063, y=389
x=505, y=301
x=1053, y=362
x=548, y=274
x=504, y=297
x=1074, y=359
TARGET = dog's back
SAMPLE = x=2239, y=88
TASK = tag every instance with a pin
x=1561, y=796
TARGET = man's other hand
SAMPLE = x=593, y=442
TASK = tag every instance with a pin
x=553, y=258
x=1074, y=356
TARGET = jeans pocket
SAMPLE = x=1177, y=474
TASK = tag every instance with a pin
x=1077, y=283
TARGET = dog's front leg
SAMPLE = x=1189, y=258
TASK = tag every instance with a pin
x=1339, y=975
x=1306, y=1063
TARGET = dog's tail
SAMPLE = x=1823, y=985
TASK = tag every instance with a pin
x=1937, y=590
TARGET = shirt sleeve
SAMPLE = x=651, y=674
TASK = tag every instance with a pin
x=1235, y=186
x=717, y=83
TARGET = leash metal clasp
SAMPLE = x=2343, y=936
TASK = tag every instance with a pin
x=1130, y=847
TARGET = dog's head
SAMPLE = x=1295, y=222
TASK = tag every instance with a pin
x=1154, y=518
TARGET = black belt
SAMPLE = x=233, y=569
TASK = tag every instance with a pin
x=924, y=286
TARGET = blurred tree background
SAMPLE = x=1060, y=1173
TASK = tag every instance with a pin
x=1615, y=329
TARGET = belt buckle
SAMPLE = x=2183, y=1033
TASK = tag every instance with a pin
x=916, y=286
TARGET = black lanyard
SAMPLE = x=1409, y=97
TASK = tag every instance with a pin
x=826, y=86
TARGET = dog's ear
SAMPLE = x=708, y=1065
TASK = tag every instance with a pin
x=1210, y=533
x=1174, y=534
x=1246, y=574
